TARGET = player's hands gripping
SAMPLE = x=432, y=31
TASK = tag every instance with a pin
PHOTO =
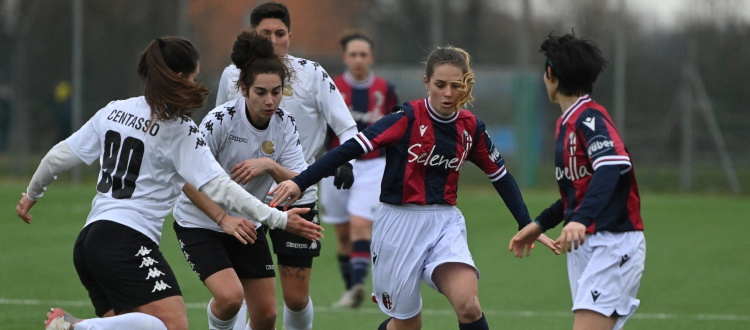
x=525, y=238
x=247, y=169
x=572, y=236
x=23, y=207
x=343, y=177
x=298, y=225
x=240, y=228
x=286, y=191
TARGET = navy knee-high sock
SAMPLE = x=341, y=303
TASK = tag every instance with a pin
x=345, y=269
x=480, y=324
x=360, y=261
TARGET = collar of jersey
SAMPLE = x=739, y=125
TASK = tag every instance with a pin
x=573, y=108
x=359, y=84
x=436, y=116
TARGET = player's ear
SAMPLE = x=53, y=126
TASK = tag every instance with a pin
x=549, y=74
x=426, y=81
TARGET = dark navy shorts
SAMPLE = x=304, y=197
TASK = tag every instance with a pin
x=208, y=251
x=121, y=268
x=293, y=250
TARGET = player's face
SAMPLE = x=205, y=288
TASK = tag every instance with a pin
x=358, y=58
x=263, y=97
x=445, y=88
x=275, y=29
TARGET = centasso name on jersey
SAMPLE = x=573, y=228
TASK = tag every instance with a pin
x=131, y=120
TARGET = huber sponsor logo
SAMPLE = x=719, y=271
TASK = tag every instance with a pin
x=599, y=144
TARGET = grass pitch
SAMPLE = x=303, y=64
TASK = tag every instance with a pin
x=696, y=274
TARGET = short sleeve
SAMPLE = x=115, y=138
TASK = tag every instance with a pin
x=191, y=156
x=86, y=143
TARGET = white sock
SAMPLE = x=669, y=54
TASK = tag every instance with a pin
x=214, y=323
x=241, y=318
x=302, y=320
x=134, y=321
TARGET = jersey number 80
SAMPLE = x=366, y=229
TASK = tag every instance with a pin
x=121, y=165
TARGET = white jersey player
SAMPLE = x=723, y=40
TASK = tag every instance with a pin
x=316, y=104
x=147, y=149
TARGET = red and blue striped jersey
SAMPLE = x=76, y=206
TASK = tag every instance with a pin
x=368, y=101
x=424, y=154
x=587, y=142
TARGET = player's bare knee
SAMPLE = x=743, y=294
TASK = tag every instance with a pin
x=229, y=303
x=295, y=302
x=469, y=310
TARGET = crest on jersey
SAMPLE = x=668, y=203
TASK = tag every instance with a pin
x=268, y=147
x=287, y=91
x=387, y=302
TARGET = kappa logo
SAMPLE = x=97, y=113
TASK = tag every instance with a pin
x=154, y=273
x=314, y=245
x=590, y=122
x=595, y=294
x=148, y=262
x=624, y=259
x=422, y=129
x=387, y=302
x=143, y=252
x=160, y=286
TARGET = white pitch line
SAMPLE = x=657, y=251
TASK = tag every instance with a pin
x=373, y=310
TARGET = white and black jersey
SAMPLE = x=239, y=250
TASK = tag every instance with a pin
x=144, y=164
x=232, y=139
x=313, y=100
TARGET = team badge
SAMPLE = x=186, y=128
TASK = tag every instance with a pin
x=387, y=302
x=268, y=147
x=287, y=91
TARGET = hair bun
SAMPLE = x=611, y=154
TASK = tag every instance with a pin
x=250, y=46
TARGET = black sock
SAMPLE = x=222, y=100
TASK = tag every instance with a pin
x=480, y=324
x=345, y=270
x=384, y=325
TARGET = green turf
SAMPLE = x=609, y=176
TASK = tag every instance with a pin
x=696, y=274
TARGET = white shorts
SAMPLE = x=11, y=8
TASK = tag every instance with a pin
x=408, y=243
x=361, y=200
x=605, y=273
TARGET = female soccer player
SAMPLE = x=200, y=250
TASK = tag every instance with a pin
x=418, y=233
x=257, y=143
x=600, y=205
x=369, y=98
x=148, y=148
x=314, y=101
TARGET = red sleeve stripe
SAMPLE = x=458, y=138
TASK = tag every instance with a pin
x=364, y=142
x=498, y=174
x=611, y=160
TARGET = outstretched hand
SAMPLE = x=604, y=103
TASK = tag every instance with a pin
x=298, y=225
x=287, y=190
x=524, y=240
x=23, y=207
x=240, y=228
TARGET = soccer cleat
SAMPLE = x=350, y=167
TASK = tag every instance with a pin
x=58, y=319
x=351, y=298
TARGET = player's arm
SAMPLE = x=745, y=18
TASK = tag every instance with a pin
x=227, y=222
x=339, y=119
x=59, y=159
x=223, y=92
x=385, y=131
